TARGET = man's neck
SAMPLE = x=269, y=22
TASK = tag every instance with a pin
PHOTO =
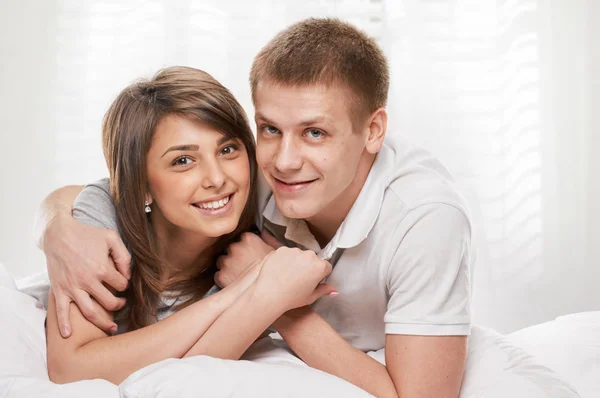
x=324, y=225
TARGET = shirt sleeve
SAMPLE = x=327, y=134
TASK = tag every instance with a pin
x=428, y=280
x=94, y=206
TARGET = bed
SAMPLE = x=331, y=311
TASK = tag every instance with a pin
x=558, y=359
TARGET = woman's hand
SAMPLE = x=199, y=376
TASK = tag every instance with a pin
x=82, y=262
x=291, y=278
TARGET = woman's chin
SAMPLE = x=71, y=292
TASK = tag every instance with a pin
x=218, y=229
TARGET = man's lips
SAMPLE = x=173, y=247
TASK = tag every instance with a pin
x=292, y=186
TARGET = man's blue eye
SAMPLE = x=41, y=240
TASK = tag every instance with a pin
x=315, y=133
x=271, y=130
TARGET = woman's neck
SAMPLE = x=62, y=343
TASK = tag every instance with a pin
x=185, y=254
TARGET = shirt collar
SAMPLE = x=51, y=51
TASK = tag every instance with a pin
x=359, y=221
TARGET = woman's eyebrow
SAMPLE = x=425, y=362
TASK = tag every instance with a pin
x=224, y=139
x=187, y=147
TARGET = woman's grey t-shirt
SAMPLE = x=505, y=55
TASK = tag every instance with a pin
x=94, y=206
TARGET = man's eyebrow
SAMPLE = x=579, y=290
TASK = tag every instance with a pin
x=309, y=122
x=260, y=116
x=188, y=147
x=316, y=120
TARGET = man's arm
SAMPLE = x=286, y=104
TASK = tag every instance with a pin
x=57, y=203
x=81, y=258
x=416, y=366
x=427, y=320
x=321, y=347
x=426, y=366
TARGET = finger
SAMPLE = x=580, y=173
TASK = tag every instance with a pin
x=324, y=289
x=219, y=262
x=120, y=255
x=270, y=239
x=327, y=268
x=63, y=303
x=114, y=279
x=218, y=279
x=105, y=298
x=92, y=313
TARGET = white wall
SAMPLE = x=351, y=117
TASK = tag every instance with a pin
x=26, y=136
x=509, y=294
x=593, y=156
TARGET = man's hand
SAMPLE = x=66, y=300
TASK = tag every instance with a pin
x=83, y=262
x=250, y=250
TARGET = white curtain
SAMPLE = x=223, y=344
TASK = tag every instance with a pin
x=503, y=91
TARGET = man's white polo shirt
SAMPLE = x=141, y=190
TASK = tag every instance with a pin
x=401, y=257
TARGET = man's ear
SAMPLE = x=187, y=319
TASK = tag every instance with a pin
x=377, y=127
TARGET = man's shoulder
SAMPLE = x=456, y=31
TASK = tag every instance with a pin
x=418, y=187
x=417, y=178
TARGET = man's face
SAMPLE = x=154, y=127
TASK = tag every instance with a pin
x=306, y=147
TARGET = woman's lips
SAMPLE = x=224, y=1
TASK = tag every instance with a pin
x=218, y=211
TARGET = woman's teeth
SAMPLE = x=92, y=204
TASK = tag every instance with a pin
x=217, y=204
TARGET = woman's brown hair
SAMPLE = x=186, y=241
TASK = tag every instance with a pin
x=127, y=131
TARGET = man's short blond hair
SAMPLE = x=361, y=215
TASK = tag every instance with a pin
x=326, y=51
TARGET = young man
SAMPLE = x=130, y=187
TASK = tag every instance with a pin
x=387, y=216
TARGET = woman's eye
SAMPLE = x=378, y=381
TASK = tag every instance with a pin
x=315, y=133
x=271, y=130
x=182, y=161
x=228, y=150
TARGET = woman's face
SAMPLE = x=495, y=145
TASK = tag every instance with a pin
x=198, y=179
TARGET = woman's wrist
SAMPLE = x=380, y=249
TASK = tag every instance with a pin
x=271, y=304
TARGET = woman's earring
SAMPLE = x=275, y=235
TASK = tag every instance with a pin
x=147, y=208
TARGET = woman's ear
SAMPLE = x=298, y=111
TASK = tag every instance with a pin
x=376, y=131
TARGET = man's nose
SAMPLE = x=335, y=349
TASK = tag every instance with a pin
x=288, y=155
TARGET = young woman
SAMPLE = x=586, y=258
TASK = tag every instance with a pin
x=182, y=185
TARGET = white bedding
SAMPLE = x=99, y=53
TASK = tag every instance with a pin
x=496, y=367
x=570, y=345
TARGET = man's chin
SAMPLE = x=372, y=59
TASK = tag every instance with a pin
x=296, y=209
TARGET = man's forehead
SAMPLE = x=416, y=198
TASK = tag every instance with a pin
x=267, y=85
x=304, y=104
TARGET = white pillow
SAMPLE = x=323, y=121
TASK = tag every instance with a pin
x=23, y=372
x=496, y=368
x=570, y=345
x=23, y=342
x=273, y=372
x=29, y=387
x=5, y=279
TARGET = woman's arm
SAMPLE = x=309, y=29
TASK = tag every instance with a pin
x=90, y=353
x=289, y=278
x=222, y=325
